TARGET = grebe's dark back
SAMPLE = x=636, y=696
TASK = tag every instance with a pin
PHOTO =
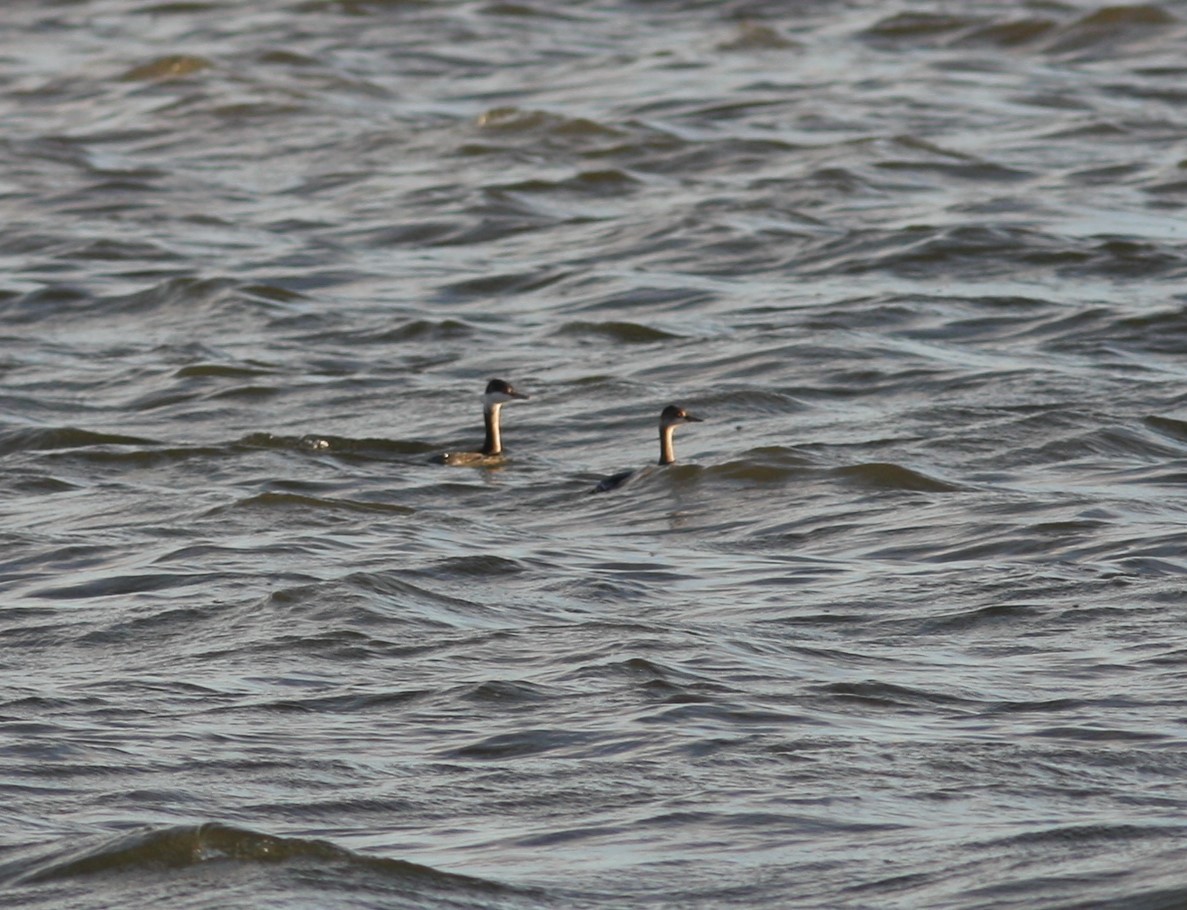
x=498, y=393
x=671, y=417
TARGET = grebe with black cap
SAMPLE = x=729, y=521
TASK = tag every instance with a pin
x=498, y=393
x=671, y=417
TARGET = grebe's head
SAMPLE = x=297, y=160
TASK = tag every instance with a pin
x=499, y=392
x=674, y=415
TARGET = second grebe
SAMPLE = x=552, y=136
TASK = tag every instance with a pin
x=670, y=418
x=498, y=393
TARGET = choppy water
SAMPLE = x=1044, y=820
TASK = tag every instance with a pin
x=904, y=628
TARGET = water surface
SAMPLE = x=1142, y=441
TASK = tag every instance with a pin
x=902, y=628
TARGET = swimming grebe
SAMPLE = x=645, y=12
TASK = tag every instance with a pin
x=498, y=393
x=670, y=418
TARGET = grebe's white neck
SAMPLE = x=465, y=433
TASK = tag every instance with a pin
x=671, y=417
x=497, y=394
x=667, y=448
x=493, y=445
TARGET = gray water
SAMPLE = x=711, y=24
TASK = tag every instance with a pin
x=905, y=625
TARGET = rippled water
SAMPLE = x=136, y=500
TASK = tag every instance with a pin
x=903, y=627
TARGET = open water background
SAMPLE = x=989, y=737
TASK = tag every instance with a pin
x=906, y=626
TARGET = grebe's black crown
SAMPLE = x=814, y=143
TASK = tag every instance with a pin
x=673, y=413
x=502, y=387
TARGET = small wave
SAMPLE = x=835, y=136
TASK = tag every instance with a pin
x=36, y=306
x=503, y=283
x=665, y=684
x=1039, y=706
x=914, y=26
x=368, y=595
x=1106, y=443
x=1012, y=33
x=882, y=694
x=617, y=331
x=1080, y=836
x=603, y=182
x=766, y=465
x=1123, y=258
x=178, y=8
x=431, y=600
x=149, y=456
x=509, y=130
x=959, y=167
x=56, y=438
x=1110, y=26
x=505, y=692
x=521, y=120
x=543, y=11
x=757, y=36
x=420, y=330
x=1100, y=29
x=284, y=501
x=121, y=585
x=486, y=565
x=221, y=371
x=967, y=620
x=414, y=232
x=893, y=478
x=377, y=449
x=185, y=846
x=1101, y=734
x=530, y=742
x=1168, y=426
x=176, y=295
x=744, y=400
x=272, y=293
x=1161, y=332
x=174, y=66
x=649, y=299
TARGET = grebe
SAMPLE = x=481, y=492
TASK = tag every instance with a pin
x=670, y=418
x=498, y=393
